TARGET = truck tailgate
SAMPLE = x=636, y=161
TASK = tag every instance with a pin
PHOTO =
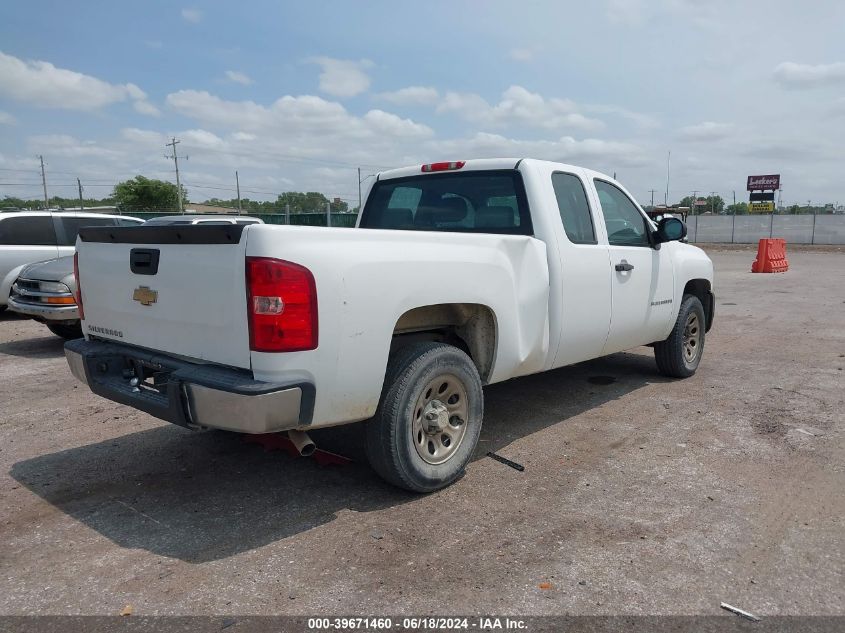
x=176, y=288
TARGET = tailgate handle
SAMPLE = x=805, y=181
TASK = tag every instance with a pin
x=143, y=261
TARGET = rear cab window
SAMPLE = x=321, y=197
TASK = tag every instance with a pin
x=35, y=230
x=490, y=201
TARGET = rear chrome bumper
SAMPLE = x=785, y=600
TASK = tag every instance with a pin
x=189, y=394
x=44, y=311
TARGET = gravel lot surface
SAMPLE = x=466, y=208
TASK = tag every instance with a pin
x=640, y=495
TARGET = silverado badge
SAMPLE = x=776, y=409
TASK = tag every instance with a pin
x=144, y=295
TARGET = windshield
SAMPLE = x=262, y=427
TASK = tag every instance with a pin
x=469, y=202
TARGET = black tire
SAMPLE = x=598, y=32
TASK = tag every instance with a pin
x=394, y=438
x=66, y=331
x=680, y=354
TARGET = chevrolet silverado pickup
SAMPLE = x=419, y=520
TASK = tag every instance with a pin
x=458, y=275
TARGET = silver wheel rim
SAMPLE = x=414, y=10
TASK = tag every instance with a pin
x=440, y=419
x=692, y=338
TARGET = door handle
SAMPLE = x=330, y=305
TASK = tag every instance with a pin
x=623, y=266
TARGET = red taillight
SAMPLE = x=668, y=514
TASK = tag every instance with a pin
x=455, y=164
x=78, y=293
x=281, y=306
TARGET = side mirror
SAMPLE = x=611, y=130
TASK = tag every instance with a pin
x=670, y=230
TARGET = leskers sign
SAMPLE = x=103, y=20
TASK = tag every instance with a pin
x=764, y=183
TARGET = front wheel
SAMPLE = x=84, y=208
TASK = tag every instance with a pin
x=428, y=421
x=679, y=355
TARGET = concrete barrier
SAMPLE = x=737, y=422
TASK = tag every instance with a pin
x=749, y=229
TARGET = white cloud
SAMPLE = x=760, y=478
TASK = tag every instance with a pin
x=639, y=119
x=44, y=85
x=343, y=77
x=142, y=106
x=238, y=77
x=521, y=54
x=412, y=95
x=707, y=131
x=65, y=145
x=192, y=15
x=565, y=149
x=518, y=106
x=794, y=75
x=6, y=118
x=306, y=118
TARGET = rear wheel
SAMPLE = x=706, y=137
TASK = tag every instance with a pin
x=66, y=331
x=680, y=354
x=428, y=421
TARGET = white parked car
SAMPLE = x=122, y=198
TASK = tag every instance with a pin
x=459, y=275
x=34, y=236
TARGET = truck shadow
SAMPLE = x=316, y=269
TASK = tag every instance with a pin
x=201, y=497
x=48, y=346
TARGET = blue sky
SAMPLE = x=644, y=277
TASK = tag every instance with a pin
x=296, y=95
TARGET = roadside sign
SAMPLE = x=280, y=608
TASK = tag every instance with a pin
x=762, y=207
x=764, y=183
x=762, y=196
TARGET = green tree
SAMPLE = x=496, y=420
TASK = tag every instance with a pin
x=714, y=204
x=740, y=208
x=300, y=202
x=142, y=194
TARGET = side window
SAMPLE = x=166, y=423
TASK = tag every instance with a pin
x=574, y=208
x=71, y=226
x=28, y=231
x=625, y=224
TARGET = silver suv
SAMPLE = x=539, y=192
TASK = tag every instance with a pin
x=45, y=291
x=34, y=236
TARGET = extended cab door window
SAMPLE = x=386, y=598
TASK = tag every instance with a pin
x=574, y=209
x=626, y=226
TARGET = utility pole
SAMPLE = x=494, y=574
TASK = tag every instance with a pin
x=328, y=213
x=651, y=191
x=359, y=190
x=238, y=187
x=81, y=205
x=668, y=162
x=44, y=184
x=173, y=143
x=734, y=196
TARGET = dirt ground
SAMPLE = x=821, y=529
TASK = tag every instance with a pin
x=640, y=495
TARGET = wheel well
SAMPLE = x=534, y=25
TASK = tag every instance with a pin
x=468, y=326
x=701, y=289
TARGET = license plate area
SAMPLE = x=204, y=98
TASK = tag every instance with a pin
x=143, y=383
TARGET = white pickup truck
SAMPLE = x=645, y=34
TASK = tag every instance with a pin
x=458, y=275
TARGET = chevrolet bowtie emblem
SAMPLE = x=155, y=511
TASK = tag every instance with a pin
x=144, y=295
